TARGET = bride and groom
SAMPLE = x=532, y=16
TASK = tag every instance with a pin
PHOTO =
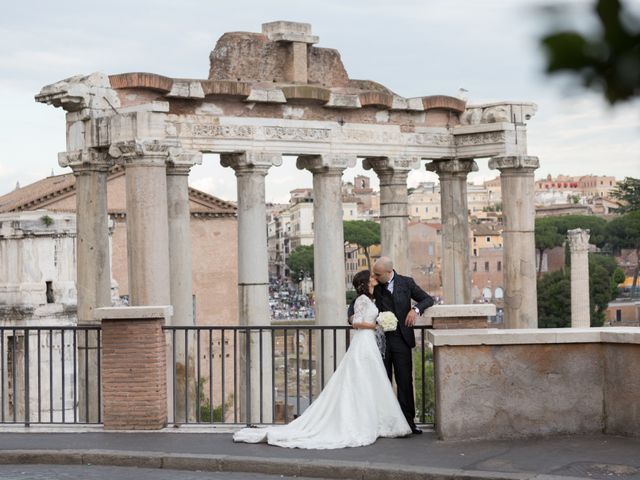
x=358, y=404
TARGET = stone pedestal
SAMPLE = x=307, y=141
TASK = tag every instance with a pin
x=458, y=316
x=456, y=274
x=179, y=217
x=394, y=217
x=579, y=246
x=518, y=214
x=328, y=247
x=253, y=276
x=93, y=280
x=134, y=381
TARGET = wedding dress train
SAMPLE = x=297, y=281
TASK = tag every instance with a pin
x=356, y=406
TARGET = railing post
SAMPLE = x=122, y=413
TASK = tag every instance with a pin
x=26, y=378
x=248, y=374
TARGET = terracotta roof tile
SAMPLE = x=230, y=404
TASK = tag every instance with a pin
x=32, y=196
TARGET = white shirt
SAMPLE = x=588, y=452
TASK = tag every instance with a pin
x=390, y=283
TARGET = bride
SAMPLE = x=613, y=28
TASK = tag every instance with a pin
x=357, y=405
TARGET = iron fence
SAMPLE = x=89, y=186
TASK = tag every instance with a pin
x=216, y=375
x=50, y=375
x=266, y=375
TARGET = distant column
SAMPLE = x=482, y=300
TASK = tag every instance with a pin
x=251, y=168
x=93, y=281
x=456, y=274
x=394, y=214
x=518, y=216
x=580, y=301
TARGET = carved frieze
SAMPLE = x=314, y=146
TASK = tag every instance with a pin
x=297, y=133
x=223, y=131
x=485, y=138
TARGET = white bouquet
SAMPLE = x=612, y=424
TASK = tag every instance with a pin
x=388, y=321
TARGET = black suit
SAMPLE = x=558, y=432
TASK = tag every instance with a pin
x=397, y=359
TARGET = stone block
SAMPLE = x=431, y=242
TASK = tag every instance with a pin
x=622, y=389
x=518, y=390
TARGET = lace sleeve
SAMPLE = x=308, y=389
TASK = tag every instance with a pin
x=359, y=309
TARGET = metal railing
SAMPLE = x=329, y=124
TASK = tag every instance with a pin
x=265, y=375
x=50, y=375
x=216, y=375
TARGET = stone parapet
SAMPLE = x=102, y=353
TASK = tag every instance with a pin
x=471, y=316
x=134, y=381
x=531, y=382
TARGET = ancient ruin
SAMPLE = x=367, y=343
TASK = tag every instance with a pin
x=267, y=95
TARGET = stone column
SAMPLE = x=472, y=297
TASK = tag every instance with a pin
x=456, y=274
x=580, y=301
x=253, y=275
x=147, y=219
x=93, y=280
x=328, y=251
x=394, y=214
x=180, y=266
x=518, y=215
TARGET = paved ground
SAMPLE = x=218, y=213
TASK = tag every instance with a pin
x=82, y=472
x=423, y=456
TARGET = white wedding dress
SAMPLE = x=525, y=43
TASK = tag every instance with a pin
x=356, y=406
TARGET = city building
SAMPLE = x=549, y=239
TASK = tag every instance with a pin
x=213, y=236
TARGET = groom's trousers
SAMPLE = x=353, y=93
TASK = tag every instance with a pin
x=399, y=364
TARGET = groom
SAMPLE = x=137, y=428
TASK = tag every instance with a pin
x=394, y=293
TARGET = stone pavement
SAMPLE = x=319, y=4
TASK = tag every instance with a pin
x=584, y=456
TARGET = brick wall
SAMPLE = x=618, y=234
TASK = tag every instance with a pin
x=134, y=383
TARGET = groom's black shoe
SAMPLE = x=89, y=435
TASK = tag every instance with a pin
x=415, y=430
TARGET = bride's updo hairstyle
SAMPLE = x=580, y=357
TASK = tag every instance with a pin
x=361, y=282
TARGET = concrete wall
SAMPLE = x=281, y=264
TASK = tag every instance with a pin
x=498, y=384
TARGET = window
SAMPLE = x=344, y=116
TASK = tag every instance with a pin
x=50, y=298
x=618, y=315
x=475, y=266
x=416, y=209
x=499, y=266
x=475, y=252
x=486, y=266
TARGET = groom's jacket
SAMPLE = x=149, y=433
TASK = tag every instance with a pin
x=404, y=290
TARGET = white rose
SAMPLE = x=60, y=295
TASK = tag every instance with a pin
x=388, y=321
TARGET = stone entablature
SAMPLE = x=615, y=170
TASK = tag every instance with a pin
x=275, y=89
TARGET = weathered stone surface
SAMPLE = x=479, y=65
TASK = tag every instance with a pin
x=504, y=383
x=283, y=31
x=622, y=389
x=252, y=57
x=518, y=390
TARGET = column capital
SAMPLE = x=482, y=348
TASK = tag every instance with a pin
x=87, y=160
x=182, y=162
x=578, y=240
x=515, y=162
x=454, y=166
x=398, y=163
x=251, y=161
x=331, y=163
x=144, y=152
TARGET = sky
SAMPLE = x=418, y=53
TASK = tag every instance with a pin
x=414, y=47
